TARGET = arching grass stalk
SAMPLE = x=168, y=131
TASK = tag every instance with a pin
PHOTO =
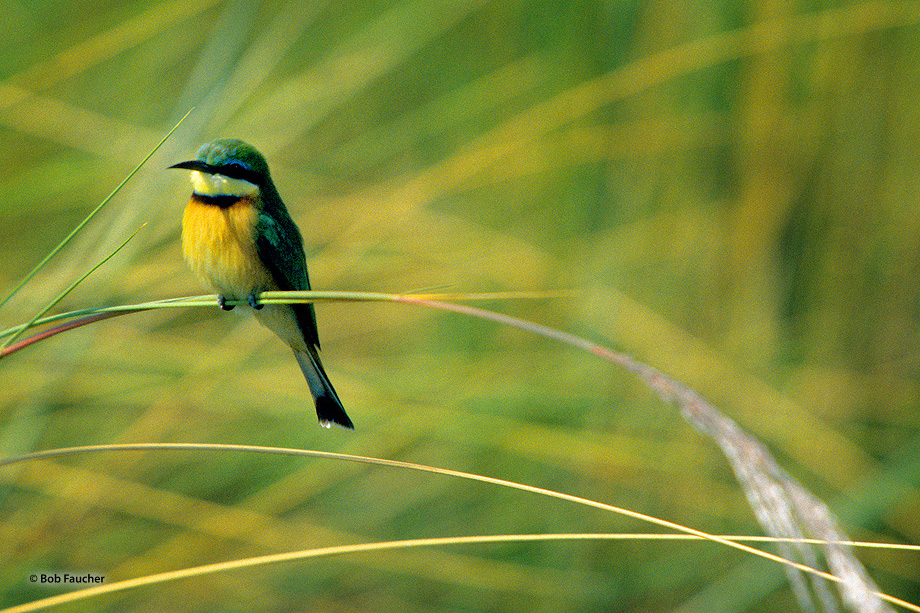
x=83, y=317
x=364, y=547
x=784, y=508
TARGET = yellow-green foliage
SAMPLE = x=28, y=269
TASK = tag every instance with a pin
x=730, y=188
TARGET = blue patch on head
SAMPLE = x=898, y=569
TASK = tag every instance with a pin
x=233, y=152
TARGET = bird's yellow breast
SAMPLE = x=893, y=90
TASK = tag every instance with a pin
x=219, y=244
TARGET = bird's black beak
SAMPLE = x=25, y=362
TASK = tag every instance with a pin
x=194, y=165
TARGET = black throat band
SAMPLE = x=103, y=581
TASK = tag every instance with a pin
x=223, y=201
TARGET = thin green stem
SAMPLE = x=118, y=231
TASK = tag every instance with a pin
x=92, y=214
x=87, y=316
x=64, y=293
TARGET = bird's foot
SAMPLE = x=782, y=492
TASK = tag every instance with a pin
x=222, y=303
x=253, y=302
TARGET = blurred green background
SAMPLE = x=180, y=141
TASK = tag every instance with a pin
x=730, y=189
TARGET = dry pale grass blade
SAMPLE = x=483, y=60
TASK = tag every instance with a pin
x=782, y=505
x=656, y=380
x=341, y=550
x=202, y=522
x=784, y=508
x=644, y=332
x=234, y=565
x=84, y=317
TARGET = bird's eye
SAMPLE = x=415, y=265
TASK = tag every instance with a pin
x=236, y=170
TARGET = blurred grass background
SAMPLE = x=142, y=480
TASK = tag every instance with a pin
x=731, y=188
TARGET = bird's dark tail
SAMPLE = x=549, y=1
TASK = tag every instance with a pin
x=329, y=408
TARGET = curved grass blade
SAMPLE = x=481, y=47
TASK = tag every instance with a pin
x=64, y=293
x=85, y=317
x=326, y=551
x=92, y=214
x=320, y=552
x=783, y=506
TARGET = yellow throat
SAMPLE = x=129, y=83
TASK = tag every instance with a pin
x=218, y=242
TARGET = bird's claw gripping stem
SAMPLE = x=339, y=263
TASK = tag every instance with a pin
x=251, y=299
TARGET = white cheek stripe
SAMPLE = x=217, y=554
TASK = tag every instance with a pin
x=221, y=185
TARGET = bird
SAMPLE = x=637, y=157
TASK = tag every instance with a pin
x=238, y=236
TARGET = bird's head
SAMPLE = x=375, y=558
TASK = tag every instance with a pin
x=227, y=167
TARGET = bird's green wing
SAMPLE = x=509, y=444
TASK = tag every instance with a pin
x=280, y=248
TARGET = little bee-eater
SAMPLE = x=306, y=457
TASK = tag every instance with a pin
x=238, y=236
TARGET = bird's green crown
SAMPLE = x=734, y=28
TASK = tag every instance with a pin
x=227, y=154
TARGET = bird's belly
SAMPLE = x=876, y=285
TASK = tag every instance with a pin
x=280, y=319
x=219, y=246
